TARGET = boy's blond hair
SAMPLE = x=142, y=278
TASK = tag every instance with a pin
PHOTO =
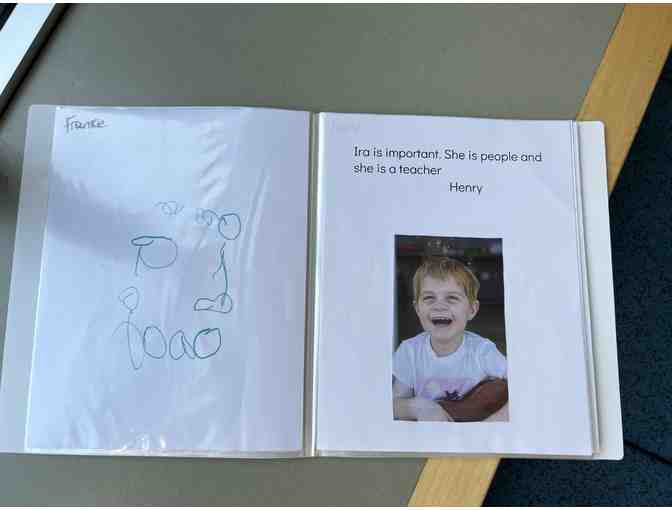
x=443, y=267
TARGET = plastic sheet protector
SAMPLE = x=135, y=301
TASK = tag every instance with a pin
x=463, y=267
x=171, y=308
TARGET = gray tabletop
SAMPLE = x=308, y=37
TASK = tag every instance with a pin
x=532, y=62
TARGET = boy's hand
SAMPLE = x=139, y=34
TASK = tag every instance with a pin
x=419, y=409
x=428, y=410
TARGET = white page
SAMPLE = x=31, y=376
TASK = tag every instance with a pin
x=162, y=222
x=525, y=208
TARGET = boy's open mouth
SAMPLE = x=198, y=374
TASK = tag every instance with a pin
x=441, y=321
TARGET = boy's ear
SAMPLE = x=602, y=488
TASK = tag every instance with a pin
x=474, y=309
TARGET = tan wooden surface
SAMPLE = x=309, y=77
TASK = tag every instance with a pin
x=618, y=96
x=624, y=81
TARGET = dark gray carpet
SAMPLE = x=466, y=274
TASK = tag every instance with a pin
x=641, y=229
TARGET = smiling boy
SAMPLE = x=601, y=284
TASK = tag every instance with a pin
x=447, y=373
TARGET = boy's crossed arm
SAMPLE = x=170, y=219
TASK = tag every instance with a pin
x=486, y=398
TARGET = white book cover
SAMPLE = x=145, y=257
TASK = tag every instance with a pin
x=249, y=282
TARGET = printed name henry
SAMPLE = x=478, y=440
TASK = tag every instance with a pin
x=458, y=187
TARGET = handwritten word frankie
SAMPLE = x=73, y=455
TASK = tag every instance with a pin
x=72, y=124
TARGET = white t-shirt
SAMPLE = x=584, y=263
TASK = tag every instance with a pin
x=430, y=376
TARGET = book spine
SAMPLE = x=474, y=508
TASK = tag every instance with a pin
x=310, y=360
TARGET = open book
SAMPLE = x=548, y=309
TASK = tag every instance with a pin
x=246, y=282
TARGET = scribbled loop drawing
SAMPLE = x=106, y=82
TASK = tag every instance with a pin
x=151, y=342
x=170, y=208
x=220, y=304
x=155, y=252
x=229, y=225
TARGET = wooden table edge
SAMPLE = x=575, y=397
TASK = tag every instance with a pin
x=618, y=95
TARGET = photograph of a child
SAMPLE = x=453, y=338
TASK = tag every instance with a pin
x=449, y=363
